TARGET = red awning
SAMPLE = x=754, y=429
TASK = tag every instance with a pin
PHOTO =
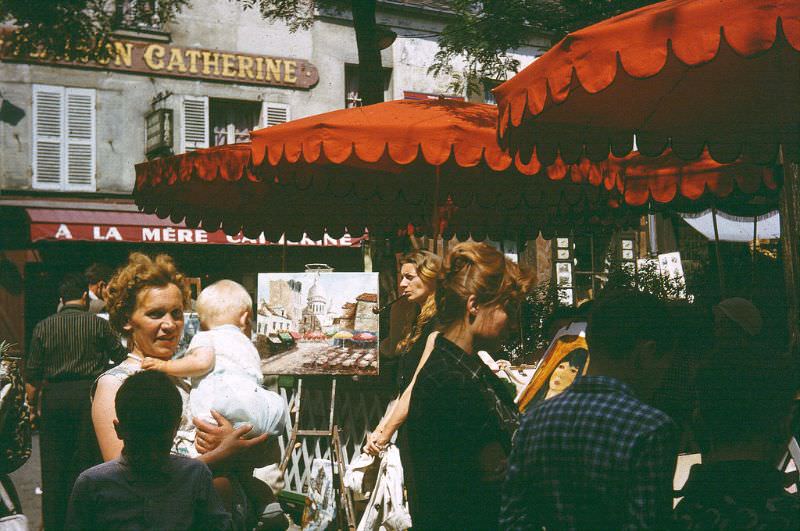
x=49, y=224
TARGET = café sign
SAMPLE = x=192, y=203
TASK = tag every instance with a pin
x=102, y=232
x=160, y=59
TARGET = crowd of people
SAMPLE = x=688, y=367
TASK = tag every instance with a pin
x=134, y=439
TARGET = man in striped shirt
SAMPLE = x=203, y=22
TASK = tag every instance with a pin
x=68, y=351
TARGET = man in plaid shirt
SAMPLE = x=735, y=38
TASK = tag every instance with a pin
x=596, y=456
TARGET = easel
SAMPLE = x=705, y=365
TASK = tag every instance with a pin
x=342, y=495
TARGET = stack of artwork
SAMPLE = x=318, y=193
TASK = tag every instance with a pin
x=318, y=323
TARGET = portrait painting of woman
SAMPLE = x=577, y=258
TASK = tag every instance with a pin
x=565, y=360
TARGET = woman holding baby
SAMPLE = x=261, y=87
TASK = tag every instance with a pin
x=146, y=301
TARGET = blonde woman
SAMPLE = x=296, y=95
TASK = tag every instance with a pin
x=419, y=270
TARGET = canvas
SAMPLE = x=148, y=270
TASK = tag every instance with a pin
x=565, y=359
x=318, y=323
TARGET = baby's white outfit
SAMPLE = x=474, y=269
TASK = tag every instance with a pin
x=233, y=387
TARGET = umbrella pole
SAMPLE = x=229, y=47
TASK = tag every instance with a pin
x=790, y=236
x=720, y=273
x=436, y=210
x=753, y=262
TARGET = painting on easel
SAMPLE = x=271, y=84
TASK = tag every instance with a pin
x=566, y=358
x=318, y=323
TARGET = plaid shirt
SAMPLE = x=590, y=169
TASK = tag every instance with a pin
x=460, y=424
x=594, y=457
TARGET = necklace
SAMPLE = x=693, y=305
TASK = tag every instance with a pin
x=135, y=357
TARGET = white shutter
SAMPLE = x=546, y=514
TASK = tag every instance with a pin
x=80, y=141
x=274, y=113
x=194, y=123
x=48, y=136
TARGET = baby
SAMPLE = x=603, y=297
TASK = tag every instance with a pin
x=224, y=366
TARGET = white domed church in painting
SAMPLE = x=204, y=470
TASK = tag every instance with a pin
x=316, y=311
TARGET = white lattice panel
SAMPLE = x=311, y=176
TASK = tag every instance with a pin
x=358, y=410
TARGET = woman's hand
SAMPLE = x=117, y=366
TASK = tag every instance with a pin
x=223, y=441
x=153, y=364
x=376, y=442
x=210, y=437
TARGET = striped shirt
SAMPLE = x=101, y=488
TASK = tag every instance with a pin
x=72, y=345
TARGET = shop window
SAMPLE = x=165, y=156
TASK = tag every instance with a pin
x=63, y=138
x=590, y=259
x=216, y=122
x=580, y=263
x=351, y=97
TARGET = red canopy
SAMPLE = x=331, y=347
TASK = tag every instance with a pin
x=685, y=74
x=383, y=166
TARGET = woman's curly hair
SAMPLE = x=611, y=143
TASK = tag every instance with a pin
x=481, y=270
x=429, y=267
x=141, y=271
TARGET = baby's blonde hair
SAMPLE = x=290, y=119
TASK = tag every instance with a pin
x=222, y=303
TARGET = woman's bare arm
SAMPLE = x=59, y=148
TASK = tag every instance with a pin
x=398, y=414
x=103, y=416
x=197, y=362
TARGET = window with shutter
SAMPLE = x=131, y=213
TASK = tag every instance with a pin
x=63, y=138
x=274, y=113
x=48, y=114
x=194, y=123
x=80, y=139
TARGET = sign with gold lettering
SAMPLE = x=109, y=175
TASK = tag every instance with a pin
x=175, y=61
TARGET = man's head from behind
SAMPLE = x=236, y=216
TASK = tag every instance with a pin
x=629, y=332
x=97, y=276
x=73, y=288
x=148, y=407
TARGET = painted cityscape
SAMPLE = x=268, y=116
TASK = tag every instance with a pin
x=318, y=323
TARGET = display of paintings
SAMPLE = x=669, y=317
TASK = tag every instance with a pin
x=627, y=245
x=627, y=254
x=320, y=511
x=563, y=273
x=562, y=243
x=318, y=323
x=565, y=359
x=563, y=254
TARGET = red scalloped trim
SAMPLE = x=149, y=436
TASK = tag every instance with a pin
x=389, y=136
x=639, y=179
x=640, y=42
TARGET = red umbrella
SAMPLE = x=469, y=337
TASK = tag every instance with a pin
x=680, y=74
x=383, y=166
x=688, y=75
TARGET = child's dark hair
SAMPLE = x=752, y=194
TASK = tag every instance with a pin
x=148, y=407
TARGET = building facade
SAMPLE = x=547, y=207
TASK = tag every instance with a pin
x=208, y=78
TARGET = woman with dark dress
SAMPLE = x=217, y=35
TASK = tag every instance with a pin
x=419, y=271
x=461, y=416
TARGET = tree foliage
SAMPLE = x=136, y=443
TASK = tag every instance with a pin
x=69, y=29
x=483, y=33
x=479, y=33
